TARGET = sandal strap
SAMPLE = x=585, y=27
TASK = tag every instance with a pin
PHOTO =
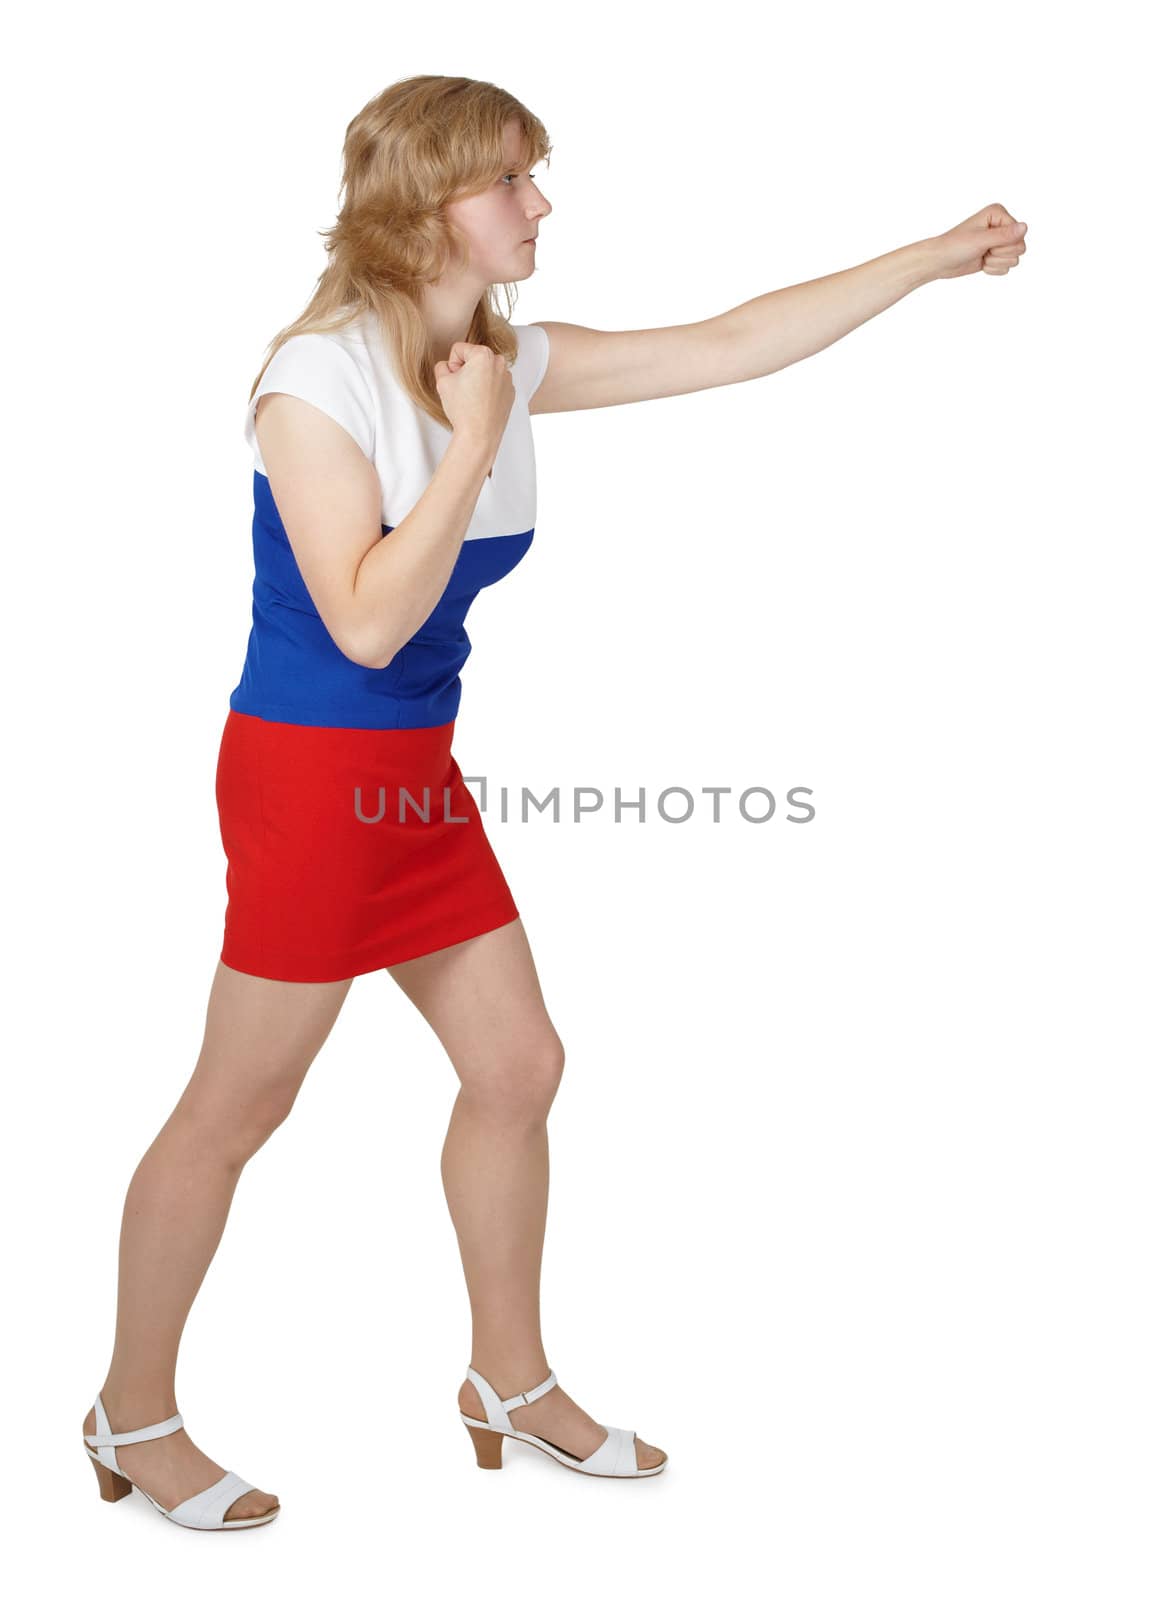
x=208, y=1508
x=527, y=1396
x=496, y=1409
x=152, y=1430
x=155, y=1430
x=615, y=1456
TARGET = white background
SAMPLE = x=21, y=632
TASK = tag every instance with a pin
x=854, y=1188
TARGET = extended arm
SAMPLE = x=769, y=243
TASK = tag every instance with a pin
x=777, y=329
x=592, y=367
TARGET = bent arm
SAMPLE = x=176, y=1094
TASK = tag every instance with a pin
x=372, y=593
x=401, y=578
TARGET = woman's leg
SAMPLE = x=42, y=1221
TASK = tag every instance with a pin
x=483, y=1000
x=260, y=1038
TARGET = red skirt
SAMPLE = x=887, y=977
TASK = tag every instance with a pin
x=348, y=849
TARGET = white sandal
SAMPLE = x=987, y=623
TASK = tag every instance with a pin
x=207, y=1509
x=615, y=1456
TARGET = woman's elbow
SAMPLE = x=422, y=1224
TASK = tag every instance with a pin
x=366, y=650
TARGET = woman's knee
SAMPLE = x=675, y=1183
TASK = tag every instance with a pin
x=235, y=1127
x=518, y=1085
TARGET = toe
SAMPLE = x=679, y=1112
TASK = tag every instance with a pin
x=252, y=1504
x=647, y=1454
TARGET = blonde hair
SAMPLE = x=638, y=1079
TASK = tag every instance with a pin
x=421, y=143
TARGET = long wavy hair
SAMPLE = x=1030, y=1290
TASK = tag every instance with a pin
x=419, y=144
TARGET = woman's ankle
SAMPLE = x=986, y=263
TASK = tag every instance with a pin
x=133, y=1406
x=509, y=1375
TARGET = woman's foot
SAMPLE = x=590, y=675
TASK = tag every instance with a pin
x=554, y=1418
x=172, y=1468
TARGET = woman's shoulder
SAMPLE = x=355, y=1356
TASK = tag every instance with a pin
x=330, y=368
x=327, y=348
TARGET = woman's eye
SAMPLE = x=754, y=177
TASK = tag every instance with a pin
x=512, y=175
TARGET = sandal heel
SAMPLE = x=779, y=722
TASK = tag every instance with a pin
x=487, y=1446
x=112, y=1485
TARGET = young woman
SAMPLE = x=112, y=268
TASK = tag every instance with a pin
x=393, y=480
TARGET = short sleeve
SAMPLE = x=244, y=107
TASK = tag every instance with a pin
x=532, y=358
x=319, y=370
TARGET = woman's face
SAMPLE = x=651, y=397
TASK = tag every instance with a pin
x=498, y=222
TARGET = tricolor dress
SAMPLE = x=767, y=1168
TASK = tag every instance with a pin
x=352, y=841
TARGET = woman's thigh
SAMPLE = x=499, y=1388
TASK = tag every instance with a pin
x=483, y=1000
x=261, y=1035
